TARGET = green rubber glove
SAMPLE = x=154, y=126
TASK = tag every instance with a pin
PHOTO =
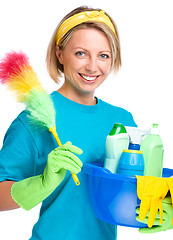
x=31, y=191
x=167, y=218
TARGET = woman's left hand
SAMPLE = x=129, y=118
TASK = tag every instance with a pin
x=167, y=218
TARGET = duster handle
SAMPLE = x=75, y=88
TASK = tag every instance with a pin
x=53, y=131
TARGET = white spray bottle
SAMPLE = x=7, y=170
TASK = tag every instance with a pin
x=136, y=135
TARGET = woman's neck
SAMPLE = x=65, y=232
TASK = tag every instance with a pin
x=76, y=96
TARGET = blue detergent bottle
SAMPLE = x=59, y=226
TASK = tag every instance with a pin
x=131, y=163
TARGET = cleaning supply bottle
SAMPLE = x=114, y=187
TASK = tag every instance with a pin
x=116, y=142
x=136, y=134
x=131, y=163
x=152, y=148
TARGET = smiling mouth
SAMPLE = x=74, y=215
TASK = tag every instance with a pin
x=88, y=78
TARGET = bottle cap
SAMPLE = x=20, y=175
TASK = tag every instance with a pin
x=155, y=125
x=155, y=129
x=117, y=129
x=132, y=151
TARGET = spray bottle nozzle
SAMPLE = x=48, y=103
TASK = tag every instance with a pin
x=136, y=136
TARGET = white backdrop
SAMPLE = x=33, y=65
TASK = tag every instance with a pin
x=142, y=86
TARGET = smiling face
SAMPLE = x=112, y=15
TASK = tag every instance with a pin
x=86, y=59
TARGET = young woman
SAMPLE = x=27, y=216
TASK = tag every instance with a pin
x=84, y=49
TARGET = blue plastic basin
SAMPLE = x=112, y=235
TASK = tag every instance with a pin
x=113, y=196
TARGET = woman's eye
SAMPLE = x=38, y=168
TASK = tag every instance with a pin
x=80, y=54
x=104, y=56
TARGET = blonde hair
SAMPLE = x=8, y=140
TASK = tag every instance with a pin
x=55, y=68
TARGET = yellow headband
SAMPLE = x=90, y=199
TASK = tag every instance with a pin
x=81, y=18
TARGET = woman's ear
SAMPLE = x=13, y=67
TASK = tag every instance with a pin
x=59, y=54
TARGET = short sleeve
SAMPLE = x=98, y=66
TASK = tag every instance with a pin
x=18, y=154
x=130, y=121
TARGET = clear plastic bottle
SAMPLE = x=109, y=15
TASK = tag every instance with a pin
x=152, y=148
x=116, y=142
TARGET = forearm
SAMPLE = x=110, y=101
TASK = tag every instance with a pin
x=6, y=201
x=31, y=191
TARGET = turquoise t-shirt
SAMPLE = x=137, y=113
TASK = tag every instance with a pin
x=66, y=214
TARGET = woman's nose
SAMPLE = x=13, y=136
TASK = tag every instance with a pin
x=91, y=65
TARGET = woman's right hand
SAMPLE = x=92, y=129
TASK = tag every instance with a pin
x=31, y=191
x=60, y=160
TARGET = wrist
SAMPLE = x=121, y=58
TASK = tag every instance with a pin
x=30, y=192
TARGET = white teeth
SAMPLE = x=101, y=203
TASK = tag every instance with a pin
x=88, y=78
